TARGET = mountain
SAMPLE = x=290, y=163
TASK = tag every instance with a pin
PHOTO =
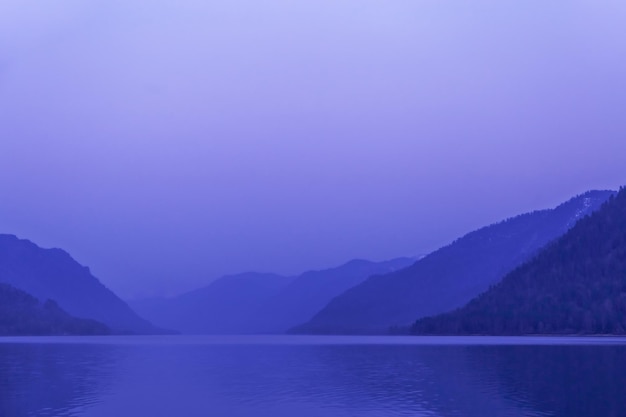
x=23, y=314
x=223, y=307
x=451, y=276
x=259, y=303
x=575, y=285
x=311, y=291
x=53, y=274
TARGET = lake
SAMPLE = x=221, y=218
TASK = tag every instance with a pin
x=301, y=376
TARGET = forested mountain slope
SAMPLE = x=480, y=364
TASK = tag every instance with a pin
x=575, y=285
x=451, y=276
x=53, y=274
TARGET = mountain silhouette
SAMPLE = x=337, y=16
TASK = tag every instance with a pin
x=53, y=274
x=451, y=276
x=577, y=284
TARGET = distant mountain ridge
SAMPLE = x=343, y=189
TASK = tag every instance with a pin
x=53, y=274
x=222, y=307
x=259, y=303
x=312, y=290
x=451, y=276
x=22, y=314
x=576, y=285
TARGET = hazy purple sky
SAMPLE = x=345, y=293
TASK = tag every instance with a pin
x=164, y=143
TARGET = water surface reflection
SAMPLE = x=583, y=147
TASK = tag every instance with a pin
x=195, y=376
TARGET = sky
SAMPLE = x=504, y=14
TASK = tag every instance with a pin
x=166, y=143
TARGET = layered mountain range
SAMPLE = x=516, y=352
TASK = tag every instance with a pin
x=575, y=285
x=259, y=303
x=52, y=274
x=222, y=307
x=561, y=270
x=451, y=276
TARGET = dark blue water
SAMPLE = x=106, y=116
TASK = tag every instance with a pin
x=312, y=376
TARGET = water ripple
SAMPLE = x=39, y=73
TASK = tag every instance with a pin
x=190, y=377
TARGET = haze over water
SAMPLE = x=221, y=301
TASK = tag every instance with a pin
x=285, y=376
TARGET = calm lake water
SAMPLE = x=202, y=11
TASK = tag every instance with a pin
x=284, y=376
